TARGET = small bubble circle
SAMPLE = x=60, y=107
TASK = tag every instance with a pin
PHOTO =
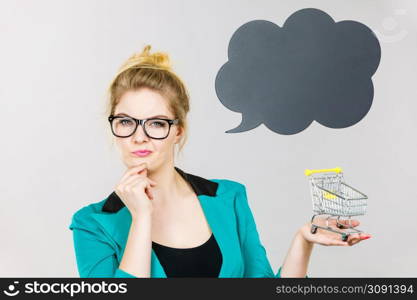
x=389, y=23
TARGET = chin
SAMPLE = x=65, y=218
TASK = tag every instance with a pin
x=139, y=160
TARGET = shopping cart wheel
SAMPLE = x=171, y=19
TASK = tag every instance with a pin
x=313, y=229
x=345, y=237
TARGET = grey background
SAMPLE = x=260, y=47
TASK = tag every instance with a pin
x=57, y=58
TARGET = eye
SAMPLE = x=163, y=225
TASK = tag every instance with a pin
x=125, y=122
x=158, y=124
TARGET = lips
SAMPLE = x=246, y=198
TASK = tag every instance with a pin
x=142, y=153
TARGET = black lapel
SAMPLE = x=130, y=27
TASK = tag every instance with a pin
x=200, y=185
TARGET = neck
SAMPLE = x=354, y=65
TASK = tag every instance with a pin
x=170, y=184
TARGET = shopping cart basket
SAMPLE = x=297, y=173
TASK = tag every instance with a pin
x=334, y=198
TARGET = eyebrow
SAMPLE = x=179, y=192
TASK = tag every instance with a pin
x=157, y=116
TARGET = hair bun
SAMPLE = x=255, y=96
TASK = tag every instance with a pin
x=157, y=60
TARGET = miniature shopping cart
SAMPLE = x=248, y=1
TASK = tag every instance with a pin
x=334, y=198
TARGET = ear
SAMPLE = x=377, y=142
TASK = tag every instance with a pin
x=179, y=134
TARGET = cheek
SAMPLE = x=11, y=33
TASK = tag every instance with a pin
x=123, y=145
x=162, y=146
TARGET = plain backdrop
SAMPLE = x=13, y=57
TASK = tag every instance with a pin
x=57, y=59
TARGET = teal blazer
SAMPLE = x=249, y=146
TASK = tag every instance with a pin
x=100, y=232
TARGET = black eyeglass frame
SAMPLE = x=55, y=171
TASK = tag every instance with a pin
x=141, y=122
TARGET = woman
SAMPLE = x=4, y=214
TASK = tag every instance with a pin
x=161, y=221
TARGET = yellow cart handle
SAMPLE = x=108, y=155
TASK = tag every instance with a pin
x=308, y=172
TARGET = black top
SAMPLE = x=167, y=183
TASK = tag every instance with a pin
x=201, y=261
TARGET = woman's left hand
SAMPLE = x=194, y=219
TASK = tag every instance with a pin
x=329, y=238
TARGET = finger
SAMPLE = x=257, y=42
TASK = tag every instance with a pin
x=147, y=186
x=365, y=236
x=133, y=170
x=358, y=237
x=328, y=238
x=139, y=181
x=337, y=241
x=135, y=178
x=332, y=239
x=149, y=193
x=144, y=172
x=348, y=223
x=342, y=243
x=352, y=238
x=337, y=225
x=354, y=242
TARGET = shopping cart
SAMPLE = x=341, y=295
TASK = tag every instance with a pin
x=334, y=198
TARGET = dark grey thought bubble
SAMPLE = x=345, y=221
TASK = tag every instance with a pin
x=311, y=68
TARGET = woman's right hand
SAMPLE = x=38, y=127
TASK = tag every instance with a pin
x=134, y=189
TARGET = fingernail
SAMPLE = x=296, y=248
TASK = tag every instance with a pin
x=365, y=237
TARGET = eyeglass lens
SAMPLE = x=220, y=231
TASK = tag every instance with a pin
x=155, y=128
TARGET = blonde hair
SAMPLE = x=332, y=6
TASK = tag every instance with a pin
x=152, y=71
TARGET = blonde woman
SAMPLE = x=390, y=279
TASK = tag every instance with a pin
x=161, y=221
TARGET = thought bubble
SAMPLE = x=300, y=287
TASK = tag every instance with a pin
x=311, y=68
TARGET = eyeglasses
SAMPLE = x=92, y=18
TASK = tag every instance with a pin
x=155, y=128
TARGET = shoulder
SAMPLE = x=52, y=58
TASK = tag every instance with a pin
x=233, y=194
x=228, y=185
x=83, y=217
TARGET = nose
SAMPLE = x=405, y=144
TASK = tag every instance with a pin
x=140, y=135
